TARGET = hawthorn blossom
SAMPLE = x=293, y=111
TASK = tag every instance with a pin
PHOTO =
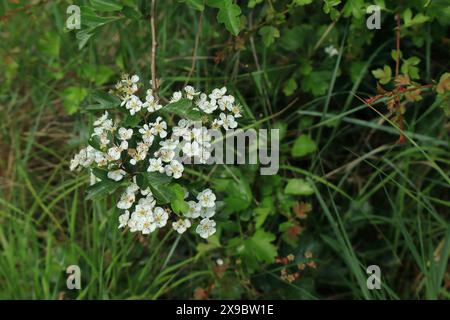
x=181, y=225
x=116, y=175
x=155, y=165
x=206, y=198
x=175, y=169
x=228, y=121
x=123, y=219
x=206, y=228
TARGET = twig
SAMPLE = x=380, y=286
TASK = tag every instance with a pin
x=194, y=53
x=401, y=139
x=154, y=45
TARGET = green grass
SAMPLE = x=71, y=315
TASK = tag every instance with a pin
x=374, y=202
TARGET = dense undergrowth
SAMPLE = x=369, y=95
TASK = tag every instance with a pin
x=363, y=176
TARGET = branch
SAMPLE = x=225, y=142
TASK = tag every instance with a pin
x=154, y=45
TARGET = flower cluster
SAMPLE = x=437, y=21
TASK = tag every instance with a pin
x=123, y=151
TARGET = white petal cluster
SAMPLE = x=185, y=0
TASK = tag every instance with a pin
x=122, y=151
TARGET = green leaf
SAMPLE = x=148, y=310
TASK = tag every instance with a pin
x=229, y=14
x=298, y=187
x=103, y=101
x=106, y=5
x=72, y=97
x=49, y=44
x=316, y=82
x=146, y=179
x=261, y=215
x=289, y=87
x=183, y=108
x=253, y=3
x=162, y=193
x=260, y=246
x=303, y=146
x=410, y=21
x=101, y=189
x=301, y=2
x=384, y=75
x=269, y=33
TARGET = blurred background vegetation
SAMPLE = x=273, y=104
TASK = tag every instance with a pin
x=349, y=193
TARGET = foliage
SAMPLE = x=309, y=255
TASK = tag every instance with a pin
x=364, y=149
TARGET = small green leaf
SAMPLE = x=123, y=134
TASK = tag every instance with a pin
x=298, y=187
x=269, y=33
x=260, y=246
x=383, y=75
x=289, y=87
x=229, y=14
x=72, y=97
x=303, y=146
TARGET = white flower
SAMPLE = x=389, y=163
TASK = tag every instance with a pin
x=142, y=212
x=169, y=144
x=166, y=154
x=132, y=188
x=194, y=210
x=100, y=120
x=155, y=166
x=191, y=149
x=181, y=225
x=146, y=191
x=331, y=51
x=206, y=198
x=228, y=122
x=151, y=104
x=125, y=134
x=207, y=106
x=160, y=217
x=216, y=124
x=123, y=219
x=147, y=134
x=190, y=92
x=159, y=128
x=126, y=200
x=206, y=228
x=148, y=201
x=116, y=175
x=134, y=78
x=236, y=111
x=226, y=102
x=134, y=104
x=175, y=169
x=123, y=145
x=148, y=226
x=177, y=95
x=114, y=153
x=217, y=93
x=208, y=212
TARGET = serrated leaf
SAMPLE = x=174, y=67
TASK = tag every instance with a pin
x=229, y=14
x=269, y=33
x=260, y=246
x=384, y=75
